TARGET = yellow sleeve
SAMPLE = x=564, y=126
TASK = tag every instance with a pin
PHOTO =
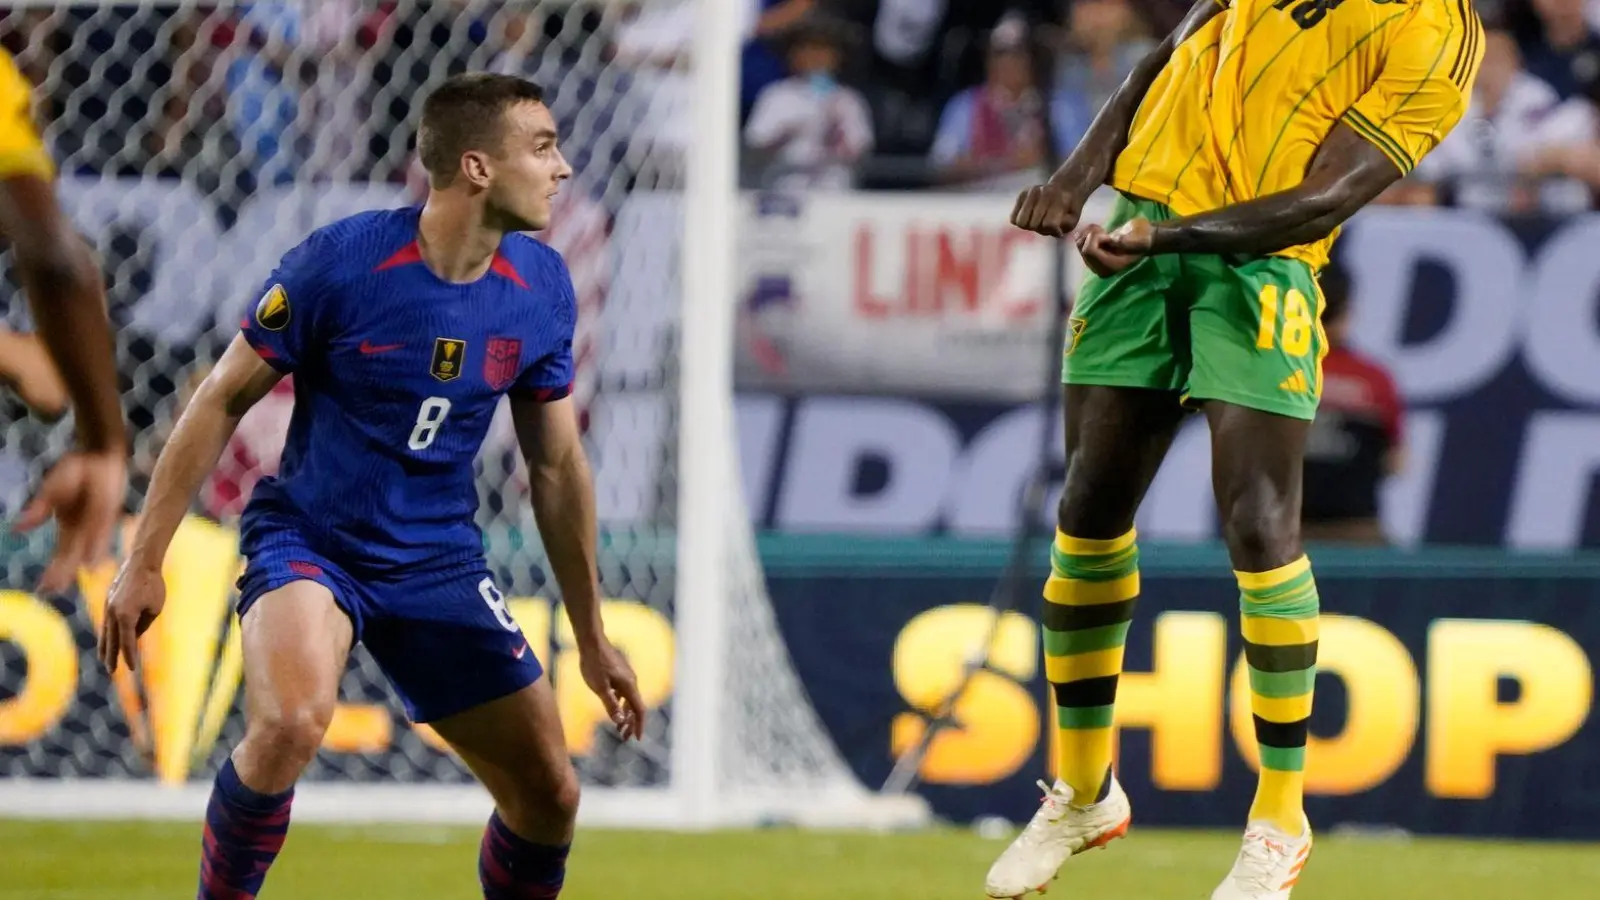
x=1422, y=91
x=21, y=150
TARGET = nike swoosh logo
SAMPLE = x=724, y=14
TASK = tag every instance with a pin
x=369, y=348
x=520, y=650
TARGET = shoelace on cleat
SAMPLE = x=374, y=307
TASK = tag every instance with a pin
x=1051, y=813
x=1253, y=871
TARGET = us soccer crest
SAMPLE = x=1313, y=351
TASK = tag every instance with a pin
x=448, y=354
x=500, y=361
x=272, y=310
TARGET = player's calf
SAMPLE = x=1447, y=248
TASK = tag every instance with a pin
x=515, y=745
x=296, y=640
x=1258, y=464
x=523, y=855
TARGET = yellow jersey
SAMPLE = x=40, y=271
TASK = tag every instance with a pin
x=1243, y=104
x=21, y=150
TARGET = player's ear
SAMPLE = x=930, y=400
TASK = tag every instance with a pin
x=475, y=168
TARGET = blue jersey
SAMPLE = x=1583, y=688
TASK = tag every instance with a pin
x=397, y=374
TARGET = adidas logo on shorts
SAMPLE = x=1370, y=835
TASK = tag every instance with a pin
x=1295, y=383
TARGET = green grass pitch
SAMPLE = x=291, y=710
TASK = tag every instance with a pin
x=129, y=861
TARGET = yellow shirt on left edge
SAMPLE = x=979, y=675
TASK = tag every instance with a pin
x=22, y=151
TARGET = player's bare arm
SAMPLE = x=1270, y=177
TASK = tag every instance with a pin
x=238, y=381
x=562, y=491
x=27, y=369
x=1052, y=209
x=85, y=490
x=1347, y=173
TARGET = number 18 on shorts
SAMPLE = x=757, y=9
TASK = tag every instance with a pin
x=1208, y=328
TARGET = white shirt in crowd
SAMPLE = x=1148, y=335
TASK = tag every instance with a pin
x=815, y=131
x=1484, y=149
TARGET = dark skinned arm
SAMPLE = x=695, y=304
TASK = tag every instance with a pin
x=84, y=491
x=1347, y=173
x=67, y=297
x=1052, y=209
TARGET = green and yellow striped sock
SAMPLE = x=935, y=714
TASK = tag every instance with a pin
x=1088, y=604
x=1280, y=611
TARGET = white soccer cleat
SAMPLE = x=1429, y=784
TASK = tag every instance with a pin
x=1268, y=866
x=1058, y=830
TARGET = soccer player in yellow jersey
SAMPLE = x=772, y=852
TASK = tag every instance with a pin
x=1237, y=148
x=84, y=490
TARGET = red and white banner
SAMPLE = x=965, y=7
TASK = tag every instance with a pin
x=907, y=294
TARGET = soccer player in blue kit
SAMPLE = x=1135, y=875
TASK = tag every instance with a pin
x=403, y=329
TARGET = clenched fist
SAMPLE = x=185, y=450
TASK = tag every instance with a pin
x=1048, y=210
x=1107, y=253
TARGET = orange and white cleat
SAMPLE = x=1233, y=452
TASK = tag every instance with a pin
x=1268, y=866
x=1058, y=831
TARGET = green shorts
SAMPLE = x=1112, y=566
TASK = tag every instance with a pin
x=1247, y=332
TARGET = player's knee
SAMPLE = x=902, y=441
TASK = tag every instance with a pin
x=564, y=799
x=1091, y=508
x=1261, y=533
x=541, y=802
x=290, y=736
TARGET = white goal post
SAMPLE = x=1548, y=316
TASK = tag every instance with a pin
x=197, y=143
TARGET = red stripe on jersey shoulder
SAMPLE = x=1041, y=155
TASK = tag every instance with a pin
x=502, y=266
x=412, y=253
x=546, y=394
x=405, y=256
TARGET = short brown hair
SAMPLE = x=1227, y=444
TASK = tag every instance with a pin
x=464, y=113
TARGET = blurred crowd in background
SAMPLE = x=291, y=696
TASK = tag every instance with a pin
x=942, y=93
x=946, y=95
x=872, y=94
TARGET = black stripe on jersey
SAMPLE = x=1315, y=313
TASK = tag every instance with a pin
x=1468, y=46
x=1390, y=147
x=1438, y=58
x=1471, y=67
x=1337, y=64
x=1473, y=62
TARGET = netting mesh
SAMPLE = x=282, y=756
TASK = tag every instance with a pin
x=197, y=142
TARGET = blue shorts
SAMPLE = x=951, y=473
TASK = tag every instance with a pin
x=442, y=635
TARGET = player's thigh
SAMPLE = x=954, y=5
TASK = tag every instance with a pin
x=447, y=641
x=1116, y=438
x=516, y=747
x=1129, y=329
x=1257, y=466
x=1255, y=335
x=296, y=640
x=461, y=663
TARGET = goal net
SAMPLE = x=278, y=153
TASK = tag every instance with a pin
x=199, y=141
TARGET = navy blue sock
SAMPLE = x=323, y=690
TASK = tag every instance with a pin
x=511, y=868
x=244, y=832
